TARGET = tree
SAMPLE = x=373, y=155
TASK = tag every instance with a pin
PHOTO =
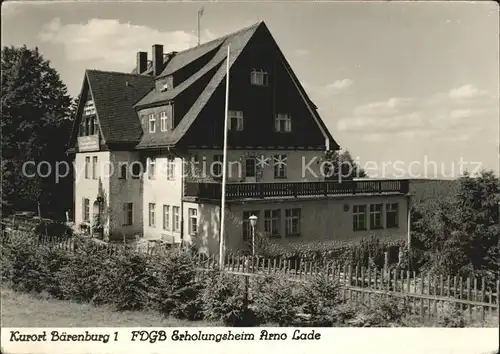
x=460, y=236
x=341, y=166
x=35, y=127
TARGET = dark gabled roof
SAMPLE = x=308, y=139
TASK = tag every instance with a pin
x=236, y=42
x=114, y=94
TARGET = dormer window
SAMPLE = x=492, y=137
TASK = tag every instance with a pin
x=235, y=120
x=152, y=123
x=164, y=87
x=258, y=77
x=282, y=123
x=165, y=122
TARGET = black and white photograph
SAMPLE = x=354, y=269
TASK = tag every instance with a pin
x=252, y=171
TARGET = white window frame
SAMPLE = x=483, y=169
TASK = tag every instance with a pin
x=128, y=214
x=87, y=167
x=392, y=208
x=272, y=217
x=166, y=217
x=95, y=161
x=152, y=215
x=165, y=122
x=359, y=221
x=176, y=218
x=193, y=221
x=280, y=169
x=376, y=221
x=171, y=169
x=151, y=168
x=287, y=125
x=239, y=118
x=152, y=123
x=259, y=77
x=86, y=210
x=292, y=218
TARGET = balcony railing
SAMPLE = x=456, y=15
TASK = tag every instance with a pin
x=235, y=191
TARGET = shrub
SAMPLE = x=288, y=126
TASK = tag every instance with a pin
x=176, y=290
x=383, y=312
x=82, y=278
x=126, y=281
x=451, y=316
x=224, y=299
x=54, y=259
x=27, y=270
x=319, y=298
x=277, y=301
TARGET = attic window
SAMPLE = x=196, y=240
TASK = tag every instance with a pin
x=152, y=123
x=258, y=77
x=164, y=87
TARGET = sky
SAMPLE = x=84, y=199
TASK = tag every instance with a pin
x=411, y=89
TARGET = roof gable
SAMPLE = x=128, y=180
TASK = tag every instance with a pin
x=114, y=95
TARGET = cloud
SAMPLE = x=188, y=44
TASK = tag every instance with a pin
x=393, y=106
x=110, y=44
x=466, y=91
x=334, y=88
x=451, y=116
x=302, y=52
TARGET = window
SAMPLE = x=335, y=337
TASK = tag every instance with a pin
x=123, y=171
x=152, y=221
x=136, y=169
x=375, y=216
x=128, y=216
x=258, y=77
x=247, y=227
x=87, y=167
x=151, y=168
x=176, y=222
x=359, y=217
x=292, y=219
x=193, y=221
x=236, y=120
x=391, y=215
x=171, y=170
x=217, y=166
x=283, y=123
x=86, y=210
x=94, y=167
x=280, y=166
x=165, y=122
x=272, y=222
x=250, y=167
x=152, y=123
x=166, y=217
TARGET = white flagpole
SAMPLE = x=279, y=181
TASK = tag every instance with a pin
x=224, y=172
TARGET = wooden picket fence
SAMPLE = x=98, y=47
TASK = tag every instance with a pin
x=427, y=294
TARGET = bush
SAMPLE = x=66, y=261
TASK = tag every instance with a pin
x=126, y=282
x=277, y=301
x=55, y=259
x=224, y=299
x=383, y=312
x=82, y=278
x=26, y=268
x=451, y=317
x=319, y=299
x=177, y=289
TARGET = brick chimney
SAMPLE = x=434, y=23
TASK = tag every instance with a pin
x=142, y=62
x=157, y=59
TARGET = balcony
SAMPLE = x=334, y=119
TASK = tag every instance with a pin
x=238, y=191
